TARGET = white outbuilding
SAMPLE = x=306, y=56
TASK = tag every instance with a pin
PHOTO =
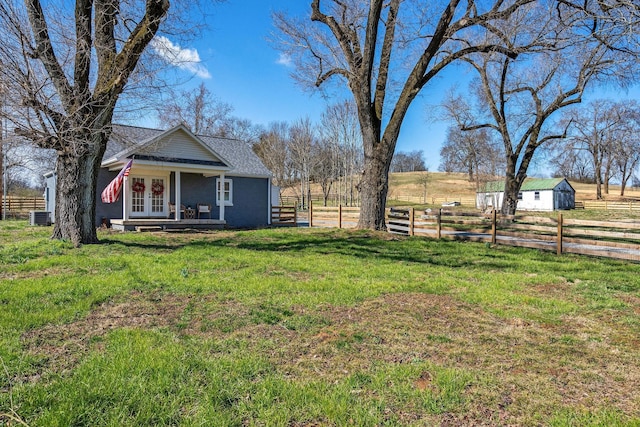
x=536, y=194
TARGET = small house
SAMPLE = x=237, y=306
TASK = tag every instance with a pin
x=536, y=194
x=178, y=179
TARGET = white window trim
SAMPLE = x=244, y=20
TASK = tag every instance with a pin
x=230, y=201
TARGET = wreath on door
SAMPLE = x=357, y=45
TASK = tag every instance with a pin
x=138, y=187
x=157, y=188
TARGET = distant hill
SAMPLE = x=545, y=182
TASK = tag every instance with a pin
x=409, y=187
x=441, y=184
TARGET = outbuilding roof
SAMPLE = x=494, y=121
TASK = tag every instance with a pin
x=529, y=184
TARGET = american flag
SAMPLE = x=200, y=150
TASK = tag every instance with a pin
x=111, y=193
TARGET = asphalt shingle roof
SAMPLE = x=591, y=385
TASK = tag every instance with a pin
x=244, y=161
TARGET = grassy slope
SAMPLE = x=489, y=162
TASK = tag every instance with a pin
x=312, y=327
x=442, y=184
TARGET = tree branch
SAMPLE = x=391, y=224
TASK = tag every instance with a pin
x=112, y=80
x=82, y=66
x=46, y=52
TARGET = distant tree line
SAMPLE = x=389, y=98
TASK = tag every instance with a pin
x=328, y=153
x=412, y=161
x=602, y=144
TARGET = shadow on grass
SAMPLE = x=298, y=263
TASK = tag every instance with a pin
x=170, y=246
x=366, y=246
x=359, y=244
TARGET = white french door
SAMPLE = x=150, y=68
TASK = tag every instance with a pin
x=148, y=196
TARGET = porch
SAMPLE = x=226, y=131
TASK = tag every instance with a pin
x=158, y=224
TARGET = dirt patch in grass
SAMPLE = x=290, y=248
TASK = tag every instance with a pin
x=520, y=367
x=63, y=345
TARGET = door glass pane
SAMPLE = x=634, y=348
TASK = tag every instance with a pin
x=157, y=195
x=137, y=197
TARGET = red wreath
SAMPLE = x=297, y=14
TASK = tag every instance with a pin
x=138, y=187
x=157, y=188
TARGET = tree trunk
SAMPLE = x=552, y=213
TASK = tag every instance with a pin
x=512, y=184
x=76, y=178
x=373, y=193
x=375, y=179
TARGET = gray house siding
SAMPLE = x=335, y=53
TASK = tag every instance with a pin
x=250, y=203
x=250, y=198
x=195, y=189
x=106, y=210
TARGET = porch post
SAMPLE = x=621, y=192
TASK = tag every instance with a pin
x=220, y=191
x=176, y=216
x=125, y=195
x=269, y=201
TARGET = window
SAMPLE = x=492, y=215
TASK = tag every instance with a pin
x=520, y=195
x=536, y=195
x=227, y=192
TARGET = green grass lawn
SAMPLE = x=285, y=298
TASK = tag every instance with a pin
x=298, y=327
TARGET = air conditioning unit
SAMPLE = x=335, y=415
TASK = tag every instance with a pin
x=39, y=218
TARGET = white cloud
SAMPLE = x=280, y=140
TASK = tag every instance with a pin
x=186, y=59
x=285, y=60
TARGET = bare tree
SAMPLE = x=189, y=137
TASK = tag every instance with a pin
x=412, y=161
x=522, y=94
x=242, y=129
x=569, y=163
x=325, y=171
x=340, y=130
x=273, y=150
x=424, y=180
x=302, y=148
x=197, y=109
x=387, y=51
x=606, y=132
x=472, y=152
x=70, y=95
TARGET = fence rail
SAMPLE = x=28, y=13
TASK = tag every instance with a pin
x=434, y=199
x=613, y=206
x=616, y=239
x=20, y=206
x=284, y=216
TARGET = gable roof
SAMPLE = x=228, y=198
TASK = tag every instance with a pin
x=529, y=184
x=237, y=155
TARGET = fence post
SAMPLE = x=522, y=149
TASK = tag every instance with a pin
x=559, y=240
x=494, y=226
x=439, y=223
x=411, y=217
x=340, y=216
x=310, y=214
x=295, y=216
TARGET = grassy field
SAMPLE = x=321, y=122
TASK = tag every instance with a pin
x=299, y=327
x=457, y=184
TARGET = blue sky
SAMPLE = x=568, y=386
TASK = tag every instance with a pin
x=245, y=71
x=240, y=67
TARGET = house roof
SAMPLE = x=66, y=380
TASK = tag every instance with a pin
x=233, y=153
x=529, y=184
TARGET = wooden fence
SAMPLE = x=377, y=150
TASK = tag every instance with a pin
x=326, y=216
x=20, y=206
x=598, y=238
x=434, y=199
x=613, y=206
x=284, y=216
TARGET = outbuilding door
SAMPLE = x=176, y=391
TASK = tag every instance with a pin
x=148, y=197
